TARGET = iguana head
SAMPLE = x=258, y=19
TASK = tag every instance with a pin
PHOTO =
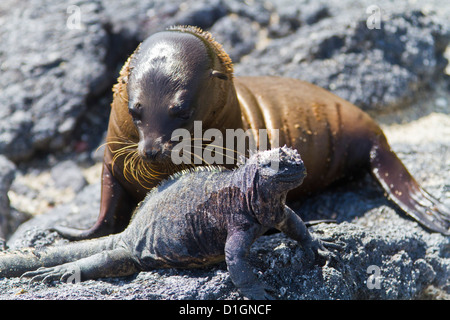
x=277, y=170
x=267, y=178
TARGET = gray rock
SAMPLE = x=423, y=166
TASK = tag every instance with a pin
x=51, y=64
x=257, y=11
x=406, y=263
x=82, y=212
x=373, y=68
x=67, y=174
x=387, y=255
x=139, y=19
x=238, y=36
x=54, y=81
x=57, y=74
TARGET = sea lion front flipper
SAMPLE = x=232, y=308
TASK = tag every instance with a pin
x=404, y=190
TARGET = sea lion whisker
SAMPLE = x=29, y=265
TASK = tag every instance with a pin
x=130, y=145
x=117, y=142
x=152, y=169
x=225, y=149
x=134, y=166
x=146, y=177
x=118, y=154
x=220, y=153
x=128, y=168
x=130, y=148
x=189, y=153
x=134, y=161
x=122, y=138
x=136, y=172
x=209, y=142
x=143, y=170
x=108, y=144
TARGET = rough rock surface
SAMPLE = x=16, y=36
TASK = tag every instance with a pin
x=50, y=71
x=372, y=68
x=7, y=171
x=54, y=107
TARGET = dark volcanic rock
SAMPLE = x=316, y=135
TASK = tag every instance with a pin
x=59, y=60
x=67, y=174
x=7, y=172
x=238, y=35
x=408, y=261
x=373, y=68
x=56, y=81
x=50, y=66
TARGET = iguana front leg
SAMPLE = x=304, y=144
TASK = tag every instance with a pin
x=237, y=248
x=111, y=263
x=294, y=227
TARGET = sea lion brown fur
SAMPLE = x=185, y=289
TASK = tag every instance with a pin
x=182, y=75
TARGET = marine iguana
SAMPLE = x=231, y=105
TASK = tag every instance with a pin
x=193, y=219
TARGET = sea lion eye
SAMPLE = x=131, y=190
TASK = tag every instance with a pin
x=218, y=74
x=183, y=112
x=135, y=111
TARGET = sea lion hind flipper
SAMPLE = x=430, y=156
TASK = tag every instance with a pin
x=404, y=190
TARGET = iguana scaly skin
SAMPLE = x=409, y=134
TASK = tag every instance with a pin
x=193, y=219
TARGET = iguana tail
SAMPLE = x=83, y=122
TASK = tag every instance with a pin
x=16, y=263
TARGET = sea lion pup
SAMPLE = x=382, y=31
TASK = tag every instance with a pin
x=196, y=218
x=182, y=75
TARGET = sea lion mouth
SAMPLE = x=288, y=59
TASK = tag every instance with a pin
x=152, y=156
x=134, y=168
x=156, y=153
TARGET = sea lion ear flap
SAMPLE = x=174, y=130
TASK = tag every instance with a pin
x=218, y=74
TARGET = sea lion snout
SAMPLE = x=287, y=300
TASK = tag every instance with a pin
x=152, y=149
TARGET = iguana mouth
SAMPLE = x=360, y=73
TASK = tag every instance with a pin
x=293, y=176
x=291, y=179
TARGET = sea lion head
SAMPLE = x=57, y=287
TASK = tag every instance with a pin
x=176, y=77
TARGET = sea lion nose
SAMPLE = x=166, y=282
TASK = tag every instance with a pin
x=150, y=149
x=152, y=154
